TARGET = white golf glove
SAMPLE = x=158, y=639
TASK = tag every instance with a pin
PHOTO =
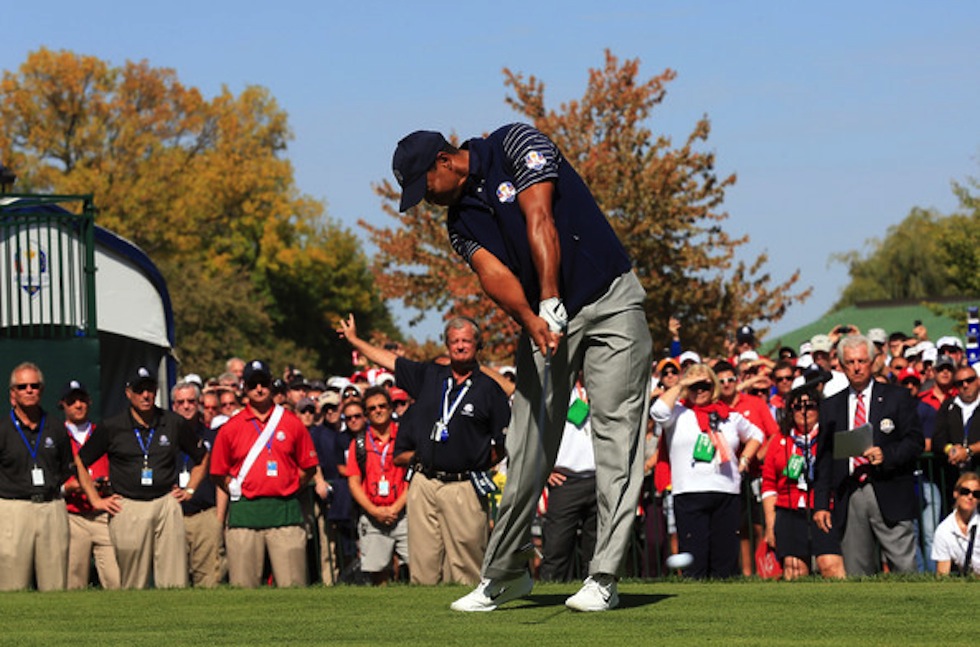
x=553, y=311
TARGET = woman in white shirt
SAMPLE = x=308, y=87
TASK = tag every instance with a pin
x=703, y=436
x=953, y=535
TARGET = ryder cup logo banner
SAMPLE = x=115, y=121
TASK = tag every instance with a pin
x=40, y=275
x=31, y=268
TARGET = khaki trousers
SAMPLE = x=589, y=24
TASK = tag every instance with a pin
x=150, y=543
x=448, y=528
x=329, y=564
x=610, y=342
x=33, y=545
x=246, y=548
x=207, y=564
x=90, y=538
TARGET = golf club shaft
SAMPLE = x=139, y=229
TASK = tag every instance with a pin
x=541, y=461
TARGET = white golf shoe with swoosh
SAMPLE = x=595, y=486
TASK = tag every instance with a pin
x=598, y=593
x=490, y=594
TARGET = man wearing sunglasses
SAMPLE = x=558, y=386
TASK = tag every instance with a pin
x=378, y=486
x=262, y=458
x=35, y=459
x=957, y=432
x=783, y=375
x=89, y=540
x=144, y=445
x=205, y=530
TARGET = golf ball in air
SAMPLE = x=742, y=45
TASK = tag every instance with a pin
x=680, y=560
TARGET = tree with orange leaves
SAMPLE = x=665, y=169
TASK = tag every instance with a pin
x=663, y=201
x=254, y=268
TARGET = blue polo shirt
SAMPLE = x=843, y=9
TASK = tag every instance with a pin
x=488, y=216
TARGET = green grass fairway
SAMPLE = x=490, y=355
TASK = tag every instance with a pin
x=887, y=611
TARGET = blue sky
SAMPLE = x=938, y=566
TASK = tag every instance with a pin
x=837, y=117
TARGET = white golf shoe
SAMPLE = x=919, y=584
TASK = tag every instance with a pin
x=597, y=594
x=490, y=594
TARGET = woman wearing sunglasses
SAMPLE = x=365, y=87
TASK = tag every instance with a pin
x=953, y=543
x=703, y=436
x=787, y=499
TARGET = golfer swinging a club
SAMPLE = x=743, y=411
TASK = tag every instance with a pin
x=525, y=221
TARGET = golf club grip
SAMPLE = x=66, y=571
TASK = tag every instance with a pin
x=540, y=461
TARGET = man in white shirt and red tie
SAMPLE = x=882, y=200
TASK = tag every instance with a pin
x=872, y=496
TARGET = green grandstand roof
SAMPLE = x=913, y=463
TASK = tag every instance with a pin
x=893, y=316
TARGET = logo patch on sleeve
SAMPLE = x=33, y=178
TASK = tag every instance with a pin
x=506, y=192
x=535, y=161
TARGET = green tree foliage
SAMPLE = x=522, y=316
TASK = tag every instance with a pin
x=900, y=266
x=203, y=186
x=664, y=202
x=926, y=256
x=959, y=240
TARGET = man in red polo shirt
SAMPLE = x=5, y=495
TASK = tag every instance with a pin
x=262, y=457
x=379, y=488
x=943, y=388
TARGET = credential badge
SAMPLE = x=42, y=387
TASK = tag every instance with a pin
x=887, y=426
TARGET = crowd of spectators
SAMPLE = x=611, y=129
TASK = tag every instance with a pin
x=814, y=507
x=740, y=463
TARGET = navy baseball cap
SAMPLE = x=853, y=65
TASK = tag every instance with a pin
x=141, y=376
x=254, y=368
x=73, y=387
x=745, y=335
x=413, y=158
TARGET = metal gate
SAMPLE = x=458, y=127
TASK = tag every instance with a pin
x=47, y=289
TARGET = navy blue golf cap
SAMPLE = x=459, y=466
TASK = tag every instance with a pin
x=141, y=376
x=73, y=387
x=413, y=158
x=254, y=368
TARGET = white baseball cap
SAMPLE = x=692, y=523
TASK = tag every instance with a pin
x=689, y=356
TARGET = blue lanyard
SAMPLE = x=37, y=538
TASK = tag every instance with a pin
x=268, y=444
x=374, y=448
x=31, y=449
x=149, y=442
